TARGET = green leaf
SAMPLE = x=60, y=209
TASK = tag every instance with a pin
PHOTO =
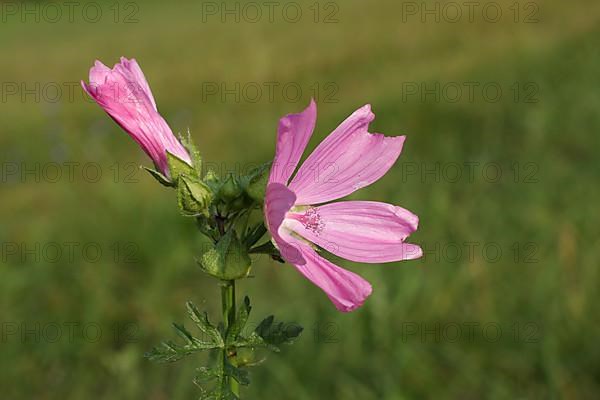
x=265, y=248
x=169, y=352
x=228, y=259
x=255, y=341
x=255, y=183
x=181, y=331
x=163, y=180
x=255, y=234
x=178, y=167
x=202, y=322
x=269, y=249
x=278, y=333
x=238, y=374
x=240, y=321
x=205, y=375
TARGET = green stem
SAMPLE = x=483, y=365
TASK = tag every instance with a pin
x=228, y=302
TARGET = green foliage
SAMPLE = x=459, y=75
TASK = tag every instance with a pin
x=193, y=197
x=213, y=379
x=255, y=183
x=160, y=178
x=235, y=329
x=228, y=259
x=189, y=145
x=230, y=190
x=202, y=322
x=254, y=234
x=178, y=167
x=170, y=352
x=279, y=333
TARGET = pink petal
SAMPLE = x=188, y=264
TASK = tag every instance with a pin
x=345, y=289
x=98, y=73
x=124, y=94
x=278, y=201
x=293, y=134
x=362, y=231
x=132, y=71
x=350, y=158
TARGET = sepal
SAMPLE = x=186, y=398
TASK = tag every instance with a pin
x=255, y=183
x=230, y=189
x=163, y=180
x=178, y=167
x=188, y=144
x=193, y=197
x=228, y=259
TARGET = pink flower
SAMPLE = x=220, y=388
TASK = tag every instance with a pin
x=366, y=231
x=124, y=94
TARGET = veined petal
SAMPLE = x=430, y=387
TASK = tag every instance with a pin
x=345, y=289
x=278, y=201
x=124, y=94
x=350, y=158
x=362, y=231
x=98, y=73
x=119, y=85
x=293, y=134
x=132, y=71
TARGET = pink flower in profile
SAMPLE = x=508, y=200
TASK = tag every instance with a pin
x=124, y=94
x=365, y=231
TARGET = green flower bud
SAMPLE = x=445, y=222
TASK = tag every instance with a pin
x=228, y=259
x=230, y=190
x=193, y=196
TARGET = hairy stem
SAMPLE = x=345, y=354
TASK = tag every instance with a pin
x=228, y=302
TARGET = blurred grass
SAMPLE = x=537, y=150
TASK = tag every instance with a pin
x=369, y=55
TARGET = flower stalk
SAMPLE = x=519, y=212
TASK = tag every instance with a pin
x=229, y=353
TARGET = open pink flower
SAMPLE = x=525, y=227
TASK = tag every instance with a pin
x=348, y=159
x=124, y=94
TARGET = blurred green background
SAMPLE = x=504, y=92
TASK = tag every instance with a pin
x=458, y=324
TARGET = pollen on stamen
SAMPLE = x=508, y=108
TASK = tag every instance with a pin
x=312, y=221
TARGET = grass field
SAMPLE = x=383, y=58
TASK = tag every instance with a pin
x=502, y=305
